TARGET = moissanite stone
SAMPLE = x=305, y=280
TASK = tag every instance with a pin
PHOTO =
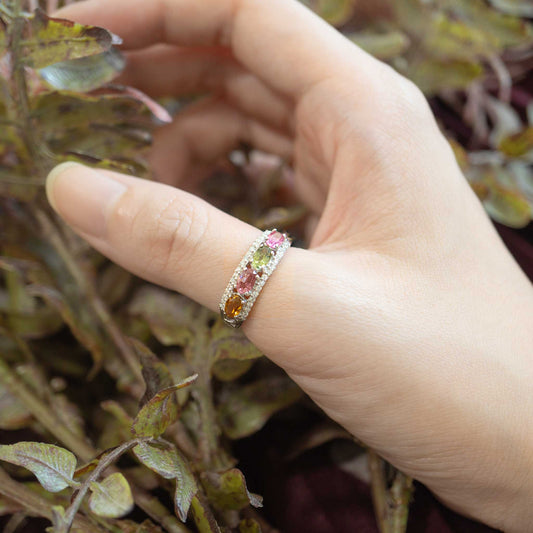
x=246, y=281
x=275, y=239
x=233, y=306
x=261, y=257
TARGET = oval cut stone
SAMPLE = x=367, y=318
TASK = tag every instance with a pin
x=261, y=257
x=246, y=281
x=233, y=306
x=275, y=239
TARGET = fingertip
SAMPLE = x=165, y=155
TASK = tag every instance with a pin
x=54, y=176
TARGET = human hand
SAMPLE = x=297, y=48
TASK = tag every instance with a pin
x=407, y=321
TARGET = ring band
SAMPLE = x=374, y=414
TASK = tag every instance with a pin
x=251, y=275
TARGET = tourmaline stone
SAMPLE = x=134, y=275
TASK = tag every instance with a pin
x=261, y=257
x=233, y=306
x=274, y=239
x=246, y=281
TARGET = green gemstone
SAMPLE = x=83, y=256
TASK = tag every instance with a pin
x=261, y=257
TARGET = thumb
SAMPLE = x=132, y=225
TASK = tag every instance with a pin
x=177, y=240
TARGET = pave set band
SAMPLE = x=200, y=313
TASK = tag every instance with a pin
x=251, y=275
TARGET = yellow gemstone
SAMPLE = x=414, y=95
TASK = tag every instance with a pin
x=233, y=306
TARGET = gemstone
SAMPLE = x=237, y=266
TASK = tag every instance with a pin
x=261, y=257
x=233, y=306
x=274, y=239
x=246, y=281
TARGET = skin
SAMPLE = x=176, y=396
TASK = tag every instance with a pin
x=406, y=320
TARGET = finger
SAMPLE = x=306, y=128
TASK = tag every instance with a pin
x=164, y=70
x=205, y=132
x=166, y=236
x=280, y=41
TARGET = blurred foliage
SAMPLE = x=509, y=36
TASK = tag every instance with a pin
x=153, y=434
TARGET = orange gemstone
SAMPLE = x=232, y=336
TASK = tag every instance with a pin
x=233, y=306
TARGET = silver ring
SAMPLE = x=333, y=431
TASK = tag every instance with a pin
x=251, y=275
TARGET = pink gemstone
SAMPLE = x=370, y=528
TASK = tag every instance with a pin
x=275, y=239
x=246, y=281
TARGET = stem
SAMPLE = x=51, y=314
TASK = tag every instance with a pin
x=105, y=462
x=41, y=412
x=51, y=233
x=35, y=505
x=391, y=506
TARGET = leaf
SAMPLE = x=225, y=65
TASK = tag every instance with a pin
x=231, y=369
x=508, y=207
x=128, y=526
x=246, y=410
x=519, y=8
x=384, y=46
x=53, y=466
x=169, y=315
x=336, y=12
x=161, y=411
x=228, y=344
x=228, y=490
x=155, y=373
x=111, y=498
x=432, y=75
x=13, y=414
x=48, y=40
x=163, y=458
x=518, y=144
x=86, y=73
x=203, y=518
x=249, y=525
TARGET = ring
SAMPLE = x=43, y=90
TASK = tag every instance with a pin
x=251, y=275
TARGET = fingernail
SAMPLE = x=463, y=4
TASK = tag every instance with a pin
x=82, y=196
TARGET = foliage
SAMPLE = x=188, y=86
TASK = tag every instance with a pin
x=77, y=333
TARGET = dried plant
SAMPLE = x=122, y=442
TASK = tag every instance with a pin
x=78, y=334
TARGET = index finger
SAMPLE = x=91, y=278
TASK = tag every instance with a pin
x=280, y=41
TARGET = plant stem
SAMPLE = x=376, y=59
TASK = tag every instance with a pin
x=391, y=506
x=106, y=461
x=35, y=505
x=44, y=415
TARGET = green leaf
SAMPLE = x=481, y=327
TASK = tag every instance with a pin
x=246, y=410
x=155, y=373
x=228, y=344
x=519, y=8
x=519, y=144
x=86, y=73
x=508, y=207
x=169, y=315
x=231, y=369
x=163, y=458
x=53, y=466
x=336, y=12
x=161, y=411
x=49, y=40
x=384, y=46
x=203, y=518
x=111, y=497
x=228, y=490
x=249, y=525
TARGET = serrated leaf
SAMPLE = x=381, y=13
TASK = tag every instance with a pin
x=86, y=73
x=246, y=410
x=228, y=490
x=48, y=40
x=161, y=411
x=53, y=466
x=111, y=498
x=163, y=458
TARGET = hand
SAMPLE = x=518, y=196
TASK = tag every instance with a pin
x=407, y=321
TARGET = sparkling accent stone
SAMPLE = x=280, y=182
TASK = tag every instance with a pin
x=233, y=306
x=261, y=257
x=275, y=239
x=246, y=281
